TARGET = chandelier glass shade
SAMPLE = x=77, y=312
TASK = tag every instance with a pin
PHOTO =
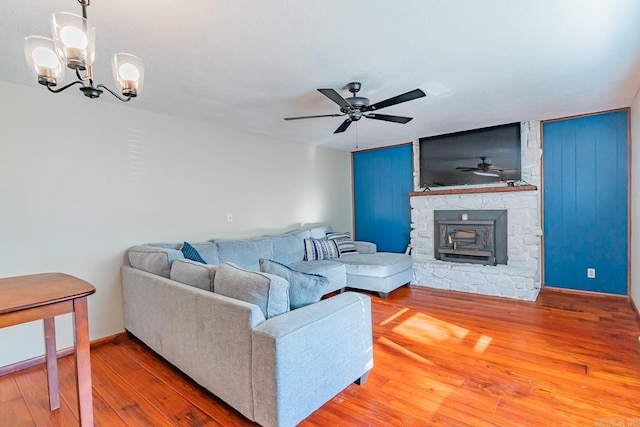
x=73, y=47
x=43, y=62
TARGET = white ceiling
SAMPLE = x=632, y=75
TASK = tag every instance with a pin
x=248, y=64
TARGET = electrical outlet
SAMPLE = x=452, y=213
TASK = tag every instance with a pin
x=591, y=273
x=229, y=216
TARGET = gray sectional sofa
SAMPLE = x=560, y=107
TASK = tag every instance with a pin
x=369, y=270
x=274, y=365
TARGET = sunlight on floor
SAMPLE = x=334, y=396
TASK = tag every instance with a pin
x=429, y=385
x=423, y=328
x=426, y=329
x=394, y=317
x=406, y=352
x=482, y=344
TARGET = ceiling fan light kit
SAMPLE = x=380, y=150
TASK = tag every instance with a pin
x=355, y=107
x=73, y=47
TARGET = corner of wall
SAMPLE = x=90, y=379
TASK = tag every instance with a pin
x=634, y=116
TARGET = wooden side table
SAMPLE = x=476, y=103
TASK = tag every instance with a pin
x=44, y=296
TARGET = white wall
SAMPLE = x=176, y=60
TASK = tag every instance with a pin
x=635, y=201
x=82, y=180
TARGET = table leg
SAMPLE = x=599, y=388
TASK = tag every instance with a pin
x=83, y=361
x=52, y=362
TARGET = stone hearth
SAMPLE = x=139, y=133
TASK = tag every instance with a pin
x=520, y=277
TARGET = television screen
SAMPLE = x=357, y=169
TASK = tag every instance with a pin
x=479, y=156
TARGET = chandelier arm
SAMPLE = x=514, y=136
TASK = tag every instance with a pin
x=64, y=87
x=123, y=99
x=82, y=78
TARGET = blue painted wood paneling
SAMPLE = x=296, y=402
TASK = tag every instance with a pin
x=382, y=181
x=586, y=202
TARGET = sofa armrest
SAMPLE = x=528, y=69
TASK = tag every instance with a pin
x=302, y=359
x=366, y=247
x=205, y=335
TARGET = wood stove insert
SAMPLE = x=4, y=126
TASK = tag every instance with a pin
x=471, y=236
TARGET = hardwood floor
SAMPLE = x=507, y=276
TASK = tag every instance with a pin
x=441, y=358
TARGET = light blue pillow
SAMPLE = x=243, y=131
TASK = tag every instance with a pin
x=191, y=253
x=304, y=288
x=193, y=273
x=267, y=291
x=317, y=249
x=344, y=241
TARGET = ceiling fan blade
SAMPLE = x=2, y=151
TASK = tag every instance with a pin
x=414, y=94
x=487, y=173
x=387, y=118
x=335, y=97
x=313, y=117
x=343, y=126
x=463, y=169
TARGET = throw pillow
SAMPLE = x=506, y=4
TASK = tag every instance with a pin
x=304, y=288
x=317, y=249
x=154, y=260
x=191, y=253
x=193, y=273
x=344, y=241
x=267, y=291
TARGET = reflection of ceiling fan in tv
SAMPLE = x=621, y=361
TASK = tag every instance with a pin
x=484, y=168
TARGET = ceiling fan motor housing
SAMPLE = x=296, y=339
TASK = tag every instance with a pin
x=358, y=103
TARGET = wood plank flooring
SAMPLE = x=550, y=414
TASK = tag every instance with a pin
x=441, y=358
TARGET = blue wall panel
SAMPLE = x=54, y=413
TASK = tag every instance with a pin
x=585, y=202
x=382, y=181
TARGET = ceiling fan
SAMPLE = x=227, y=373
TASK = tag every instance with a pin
x=356, y=106
x=483, y=168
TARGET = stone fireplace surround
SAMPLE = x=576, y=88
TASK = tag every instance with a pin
x=520, y=278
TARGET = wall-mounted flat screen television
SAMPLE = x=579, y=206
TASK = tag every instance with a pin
x=480, y=156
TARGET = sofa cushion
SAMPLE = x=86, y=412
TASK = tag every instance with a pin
x=301, y=234
x=287, y=248
x=344, y=241
x=319, y=232
x=193, y=273
x=318, y=249
x=208, y=251
x=246, y=252
x=332, y=270
x=191, y=253
x=267, y=291
x=304, y=288
x=153, y=259
x=380, y=264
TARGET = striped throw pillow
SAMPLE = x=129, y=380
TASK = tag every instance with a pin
x=317, y=249
x=344, y=241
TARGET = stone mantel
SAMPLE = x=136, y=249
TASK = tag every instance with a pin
x=475, y=190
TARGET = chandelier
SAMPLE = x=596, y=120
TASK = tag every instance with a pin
x=73, y=46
